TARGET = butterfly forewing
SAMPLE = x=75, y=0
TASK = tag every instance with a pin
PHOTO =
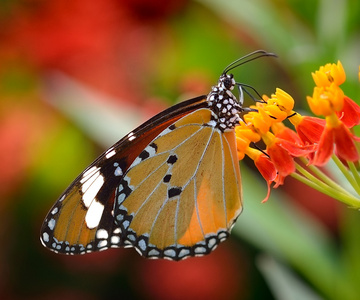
x=172, y=201
x=82, y=219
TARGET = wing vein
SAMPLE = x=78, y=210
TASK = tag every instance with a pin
x=195, y=172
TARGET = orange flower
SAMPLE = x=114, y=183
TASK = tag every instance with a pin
x=283, y=147
x=244, y=136
x=350, y=113
x=282, y=100
x=265, y=166
x=336, y=133
x=326, y=100
x=258, y=120
x=329, y=74
x=309, y=129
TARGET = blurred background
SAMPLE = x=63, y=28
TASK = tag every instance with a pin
x=75, y=76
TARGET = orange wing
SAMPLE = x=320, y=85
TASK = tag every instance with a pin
x=182, y=194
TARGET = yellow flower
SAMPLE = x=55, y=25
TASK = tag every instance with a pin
x=329, y=74
x=259, y=120
x=244, y=136
x=326, y=100
x=283, y=100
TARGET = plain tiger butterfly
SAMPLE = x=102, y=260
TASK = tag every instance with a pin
x=171, y=188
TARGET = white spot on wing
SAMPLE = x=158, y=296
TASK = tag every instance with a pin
x=170, y=252
x=150, y=150
x=212, y=242
x=212, y=123
x=142, y=245
x=88, y=173
x=153, y=252
x=115, y=240
x=51, y=224
x=102, y=244
x=121, y=198
x=200, y=250
x=184, y=252
x=102, y=234
x=126, y=224
x=93, y=215
x=136, y=162
x=118, y=171
x=110, y=154
x=45, y=237
x=117, y=230
x=222, y=236
x=91, y=187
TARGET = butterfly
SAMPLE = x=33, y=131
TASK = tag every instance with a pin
x=171, y=188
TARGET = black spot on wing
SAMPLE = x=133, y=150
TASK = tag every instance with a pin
x=167, y=178
x=144, y=154
x=153, y=145
x=174, y=191
x=172, y=159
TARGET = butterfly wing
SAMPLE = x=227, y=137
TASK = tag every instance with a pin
x=182, y=194
x=82, y=218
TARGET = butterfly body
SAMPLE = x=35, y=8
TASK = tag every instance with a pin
x=171, y=188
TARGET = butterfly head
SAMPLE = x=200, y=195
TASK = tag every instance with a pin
x=227, y=81
x=224, y=105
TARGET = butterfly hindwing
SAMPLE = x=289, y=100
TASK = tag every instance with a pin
x=82, y=219
x=173, y=201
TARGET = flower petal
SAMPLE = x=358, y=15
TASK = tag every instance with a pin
x=267, y=170
x=283, y=162
x=310, y=129
x=345, y=146
x=325, y=147
x=350, y=113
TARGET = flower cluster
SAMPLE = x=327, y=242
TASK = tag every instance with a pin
x=315, y=140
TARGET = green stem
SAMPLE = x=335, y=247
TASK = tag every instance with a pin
x=324, y=181
x=346, y=173
x=351, y=201
x=321, y=175
x=356, y=175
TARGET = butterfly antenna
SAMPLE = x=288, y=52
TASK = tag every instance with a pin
x=244, y=86
x=247, y=58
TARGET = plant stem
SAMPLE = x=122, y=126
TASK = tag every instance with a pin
x=356, y=175
x=338, y=194
x=346, y=173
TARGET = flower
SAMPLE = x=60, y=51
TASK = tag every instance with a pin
x=329, y=74
x=265, y=166
x=282, y=100
x=340, y=113
x=314, y=140
x=244, y=136
x=335, y=133
x=350, y=113
x=283, y=147
x=326, y=100
x=309, y=129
